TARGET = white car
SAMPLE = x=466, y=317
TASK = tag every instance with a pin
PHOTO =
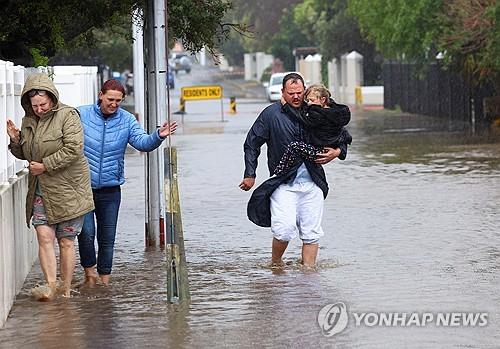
x=180, y=61
x=274, y=86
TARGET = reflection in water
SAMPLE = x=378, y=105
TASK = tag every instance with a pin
x=411, y=225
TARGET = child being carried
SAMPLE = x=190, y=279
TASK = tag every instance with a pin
x=325, y=121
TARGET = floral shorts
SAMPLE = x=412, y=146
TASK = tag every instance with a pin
x=67, y=229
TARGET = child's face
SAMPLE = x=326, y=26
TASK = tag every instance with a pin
x=315, y=99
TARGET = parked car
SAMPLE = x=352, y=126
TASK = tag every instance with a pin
x=274, y=86
x=170, y=78
x=129, y=83
x=180, y=61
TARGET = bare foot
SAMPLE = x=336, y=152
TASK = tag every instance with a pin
x=45, y=293
x=277, y=264
x=105, y=279
x=91, y=278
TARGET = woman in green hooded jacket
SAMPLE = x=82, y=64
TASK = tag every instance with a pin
x=59, y=192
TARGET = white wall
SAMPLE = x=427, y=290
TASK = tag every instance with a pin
x=372, y=95
x=11, y=83
x=310, y=68
x=347, y=74
x=77, y=85
x=18, y=245
x=250, y=70
x=255, y=64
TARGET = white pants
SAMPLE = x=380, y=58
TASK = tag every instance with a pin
x=297, y=209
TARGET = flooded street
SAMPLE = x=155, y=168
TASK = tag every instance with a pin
x=411, y=226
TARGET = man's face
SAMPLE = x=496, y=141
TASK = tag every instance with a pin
x=293, y=93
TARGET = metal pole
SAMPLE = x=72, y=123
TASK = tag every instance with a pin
x=177, y=277
x=222, y=109
x=156, y=101
x=138, y=49
x=161, y=101
x=149, y=97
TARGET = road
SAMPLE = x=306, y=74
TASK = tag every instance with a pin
x=411, y=226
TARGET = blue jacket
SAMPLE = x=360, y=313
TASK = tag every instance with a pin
x=106, y=141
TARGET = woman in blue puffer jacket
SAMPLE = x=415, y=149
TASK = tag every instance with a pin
x=108, y=129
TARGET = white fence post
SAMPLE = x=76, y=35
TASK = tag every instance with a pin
x=310, y=68
x=354, y=68
x=18, y=114
x=77, y=85
x=255, y=64
x=11, y=84
x=250, y=69
x=3, y=127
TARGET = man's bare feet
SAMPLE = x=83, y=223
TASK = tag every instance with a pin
x=277, y=264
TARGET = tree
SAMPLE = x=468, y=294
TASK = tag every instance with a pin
x=233, y=49
x=330, y=26
x=401, y=29
x=471, y=38
x=287, y=39
x=110, y=46
x=466, y=32
x=40, y=29
x=262, y=17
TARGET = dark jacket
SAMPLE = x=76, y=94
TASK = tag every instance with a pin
x=277, y=129
x=325, y=126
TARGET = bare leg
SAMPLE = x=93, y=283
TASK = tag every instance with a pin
x=91, y=276
x=279, y=248
x=309, y=254
x=47, y=256
x=46, y=252
x=105, y=279
x=67, y=249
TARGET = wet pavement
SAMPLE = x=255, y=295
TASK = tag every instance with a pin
x=411, y=226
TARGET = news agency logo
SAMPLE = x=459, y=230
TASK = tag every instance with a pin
x=333, y=318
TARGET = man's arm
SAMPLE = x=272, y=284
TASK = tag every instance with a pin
x=256, y=137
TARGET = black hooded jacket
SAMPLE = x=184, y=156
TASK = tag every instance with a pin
x=325, y=126
x=276, y=128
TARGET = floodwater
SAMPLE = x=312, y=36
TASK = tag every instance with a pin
x=411, y=226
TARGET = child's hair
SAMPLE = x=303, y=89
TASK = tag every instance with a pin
x=319, y=90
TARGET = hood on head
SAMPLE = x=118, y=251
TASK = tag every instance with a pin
x=38, y=81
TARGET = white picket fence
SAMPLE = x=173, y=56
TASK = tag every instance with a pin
x=77, y=85
x=11, y=84
x=18, y=245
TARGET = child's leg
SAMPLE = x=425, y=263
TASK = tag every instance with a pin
x=304, y=150
x=286, y=161
x=295, y=150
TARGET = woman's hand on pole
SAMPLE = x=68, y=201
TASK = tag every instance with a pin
x=167, y=129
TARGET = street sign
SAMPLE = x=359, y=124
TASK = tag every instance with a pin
x=193, y=93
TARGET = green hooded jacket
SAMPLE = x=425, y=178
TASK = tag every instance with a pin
x=56, y=140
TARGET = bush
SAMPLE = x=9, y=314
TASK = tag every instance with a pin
x=266, y=74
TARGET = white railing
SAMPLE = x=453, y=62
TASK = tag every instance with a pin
x=11, y=84
x=77, y=85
